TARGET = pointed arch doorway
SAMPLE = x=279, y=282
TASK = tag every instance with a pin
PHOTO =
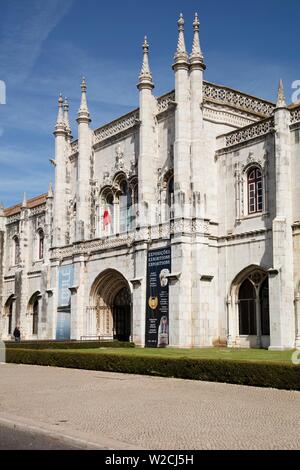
x=249, y=310
x=110, y=314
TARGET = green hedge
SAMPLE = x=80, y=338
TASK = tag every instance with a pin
x=67, y=345
x=274, y=375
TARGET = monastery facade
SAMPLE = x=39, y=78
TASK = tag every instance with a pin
x=175, y=225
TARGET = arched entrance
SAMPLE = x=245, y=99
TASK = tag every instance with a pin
x=248, y=311
x=109, y=314
x=122, y=315
x=33, y=314
x=8, y=312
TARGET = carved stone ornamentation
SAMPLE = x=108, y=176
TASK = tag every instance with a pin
x=251, y=132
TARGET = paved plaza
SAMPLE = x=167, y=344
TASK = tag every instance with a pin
x=90, y=409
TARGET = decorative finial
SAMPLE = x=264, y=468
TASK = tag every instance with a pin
x=60, y=125
x=50, y=191
x=83, y=112
x=66, y=116
x=197, y=55
x=83, y=85
x=281, y=103
x=145, y=77
x=181, y=53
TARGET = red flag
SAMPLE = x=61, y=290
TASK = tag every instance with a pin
x=106, y=218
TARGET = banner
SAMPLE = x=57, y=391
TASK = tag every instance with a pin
x=157, y=307
x=63, y=324
x=66, y=277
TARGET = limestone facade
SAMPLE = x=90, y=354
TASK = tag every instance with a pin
x=208, y=170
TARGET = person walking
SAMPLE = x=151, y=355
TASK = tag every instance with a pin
x=17, y=334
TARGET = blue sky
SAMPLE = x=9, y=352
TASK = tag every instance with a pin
x=46, y=46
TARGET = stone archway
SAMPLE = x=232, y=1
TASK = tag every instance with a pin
x=33, y=314
x=109, y=315
x=9, y=314
x=248, y=309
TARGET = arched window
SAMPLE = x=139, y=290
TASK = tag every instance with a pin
x=255, y=190
x=16, y=251
x=108, y=216
x=41, y=238
x=247, y=307
x=133, y=209
x=125, y=207
x=9, y=314
x=35, y=317
x=170, y=196
x=264, y=308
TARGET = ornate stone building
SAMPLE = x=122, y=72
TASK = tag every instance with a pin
x=205, y=178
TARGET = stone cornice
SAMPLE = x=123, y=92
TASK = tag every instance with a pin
x=244, y=235
x=245, y=134
x=233, y=98
x=226, y=116
x=247, y=108
x=191, y=227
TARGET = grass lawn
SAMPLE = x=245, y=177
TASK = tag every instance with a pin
x=250, y=355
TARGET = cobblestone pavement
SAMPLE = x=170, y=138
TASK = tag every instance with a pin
x=117, y=411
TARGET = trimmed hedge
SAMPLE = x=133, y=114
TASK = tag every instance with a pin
x=44, y=345
x=262, y=374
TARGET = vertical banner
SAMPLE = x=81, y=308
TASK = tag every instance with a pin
x=157, y=307
x=66, y=277
x=63, y=324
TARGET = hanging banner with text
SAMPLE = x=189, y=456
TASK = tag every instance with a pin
x=63, y=324
x=157, y=306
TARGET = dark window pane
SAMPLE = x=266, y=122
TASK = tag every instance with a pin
x=265, y=310
x=247, y=309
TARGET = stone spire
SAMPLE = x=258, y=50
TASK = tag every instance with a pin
x=281, y=103
x=83, y=112
x=181, y=55
x=145, y=78
x=196, y=56
x=50, y=191
x=66, y=117
x=24, y=203
x=60, y=125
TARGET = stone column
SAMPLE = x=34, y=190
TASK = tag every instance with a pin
x=139, y=285
x=281, y=282
x=147, y=163
x=59, y=212
x=83, y=206
x=182, y=146
x=181, y=293
x=79, y=298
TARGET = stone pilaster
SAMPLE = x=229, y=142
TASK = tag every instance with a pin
x=139, y=288
x=182, y=146
x=282, y=316
x=83, y=206
x=147, y=164
x=199, y=161
x=79, y=299
x=60, y=213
